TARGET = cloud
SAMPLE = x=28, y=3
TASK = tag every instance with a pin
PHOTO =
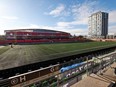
x=77, y=31
x=7, y=19
x=6, y=22
x=112, y=30
x=57, y=11
x=34, y=26
x=72, y=23
x=112, y=20
x=10, y=17
x=63, y=24
x=69, y=29
x=80, y=13
x=112, y=15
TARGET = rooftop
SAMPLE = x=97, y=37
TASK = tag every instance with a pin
x=97, y=13
x=34, y=29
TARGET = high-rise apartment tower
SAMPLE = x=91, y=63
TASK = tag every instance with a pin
x=98, y=24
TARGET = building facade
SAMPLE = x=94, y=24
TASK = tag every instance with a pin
x=35, y=34
x=98, y=24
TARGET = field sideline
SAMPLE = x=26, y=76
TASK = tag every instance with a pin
x=26, y=54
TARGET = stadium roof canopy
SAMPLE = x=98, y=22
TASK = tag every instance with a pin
x=34, y=30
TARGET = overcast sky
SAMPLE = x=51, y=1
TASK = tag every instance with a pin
x=64, y=15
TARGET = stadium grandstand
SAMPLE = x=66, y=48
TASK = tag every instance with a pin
x=37, y=36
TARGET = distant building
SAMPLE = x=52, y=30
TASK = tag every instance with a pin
x=98, y=25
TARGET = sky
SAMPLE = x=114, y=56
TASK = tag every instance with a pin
x=63, y=15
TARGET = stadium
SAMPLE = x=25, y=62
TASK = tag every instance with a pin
x=36, y=35
x=30, y=63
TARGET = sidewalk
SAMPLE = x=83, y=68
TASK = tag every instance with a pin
x=110, y=73
x=95, y=80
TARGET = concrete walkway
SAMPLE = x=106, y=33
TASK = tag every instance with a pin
x=95, y=80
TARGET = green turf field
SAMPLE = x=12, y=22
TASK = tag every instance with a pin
x=25, y=54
